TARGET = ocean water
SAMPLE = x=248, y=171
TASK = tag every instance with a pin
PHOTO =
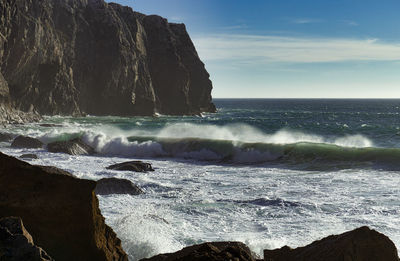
x=265, y=172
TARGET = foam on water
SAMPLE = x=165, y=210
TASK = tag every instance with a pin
x=187, y=203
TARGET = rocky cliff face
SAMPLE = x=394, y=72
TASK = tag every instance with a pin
x=60, y=212
x=86, y=56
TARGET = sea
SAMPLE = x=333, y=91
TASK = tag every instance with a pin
x=267, y=172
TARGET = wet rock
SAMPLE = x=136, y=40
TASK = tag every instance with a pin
x=26, y=142
x=109, y=186
x=214, y=251
x=362, y=244
x=72, y=147
x=60, y=211
x=29, y=156
x=50, y=125
x=136, y=166
x=17, y=244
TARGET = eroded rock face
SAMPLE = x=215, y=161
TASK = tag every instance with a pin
x=16, y=244
x=362, y=244
x=61, y=212
x=72, y=147
x=109, y=186
x=74, y=57
x=214, y=251
x=26, y=142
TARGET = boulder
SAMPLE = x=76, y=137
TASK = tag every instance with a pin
x=214, y=251
x=28, y=156
x=16, y=244
x=61, y=212
x=361, y=244
x=72, y=147
x=136, y=166
x=26, y=142
x=109, y=186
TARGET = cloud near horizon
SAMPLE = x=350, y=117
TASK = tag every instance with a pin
x=274, y=49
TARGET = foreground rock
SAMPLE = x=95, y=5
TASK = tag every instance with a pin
x=26, y=142
x=215, y=251
x=136, y=166
x=88, y=56
x=109, y=186
x=362, y=244
x=72, y=147
x=17, y=244
x=61, y=212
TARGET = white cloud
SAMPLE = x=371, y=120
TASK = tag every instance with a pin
x=305, y=21
x=269, y=49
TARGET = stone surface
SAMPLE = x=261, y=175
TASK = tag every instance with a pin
x=362, y=244
x=72, y=147
x=60, y=212
x=77, y=57
x=109, y=186
x=26, y=142
x=136, y=166
x=215, y=251
x=16, y=244
x=29, y=156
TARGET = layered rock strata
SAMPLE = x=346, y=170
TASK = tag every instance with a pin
x=76, y=57
x=60, y=211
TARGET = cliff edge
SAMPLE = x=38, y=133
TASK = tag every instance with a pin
x=75, y=57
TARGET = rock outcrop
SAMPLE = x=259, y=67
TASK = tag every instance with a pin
x=60, y=211
x=214, y=251
x=136, y=166
x=362, y=244
x=72, y=147
x=16, y=244
x=76, y=57
x=108, y=186
x=26, y=142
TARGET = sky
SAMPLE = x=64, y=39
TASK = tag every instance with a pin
x=292, y=48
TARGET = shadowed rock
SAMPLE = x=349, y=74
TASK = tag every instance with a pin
x=26, y=142
x=362, y=244
x=136, y=166
x=80, y=57
x=72, y=147
x=29, y=156
x=16, y=244
x=109, y=186
x=215, y=251
x=60, y=211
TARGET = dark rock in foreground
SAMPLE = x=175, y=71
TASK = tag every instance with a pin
x=80, y=57
x=28, y=156
x=109, y=186
x=26, y=142
x=72, y=147
x=61, y=212
x=17, y=244
x=362, y=244
x=214, y=251
x=136, y=166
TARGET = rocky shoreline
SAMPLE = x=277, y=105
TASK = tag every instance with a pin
x=49, y=214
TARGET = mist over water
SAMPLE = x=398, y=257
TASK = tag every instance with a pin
x=265, y=172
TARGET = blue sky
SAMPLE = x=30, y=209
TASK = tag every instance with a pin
x=292, y=48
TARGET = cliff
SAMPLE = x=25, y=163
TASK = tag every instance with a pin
x=59, y=211
x=74, y=57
